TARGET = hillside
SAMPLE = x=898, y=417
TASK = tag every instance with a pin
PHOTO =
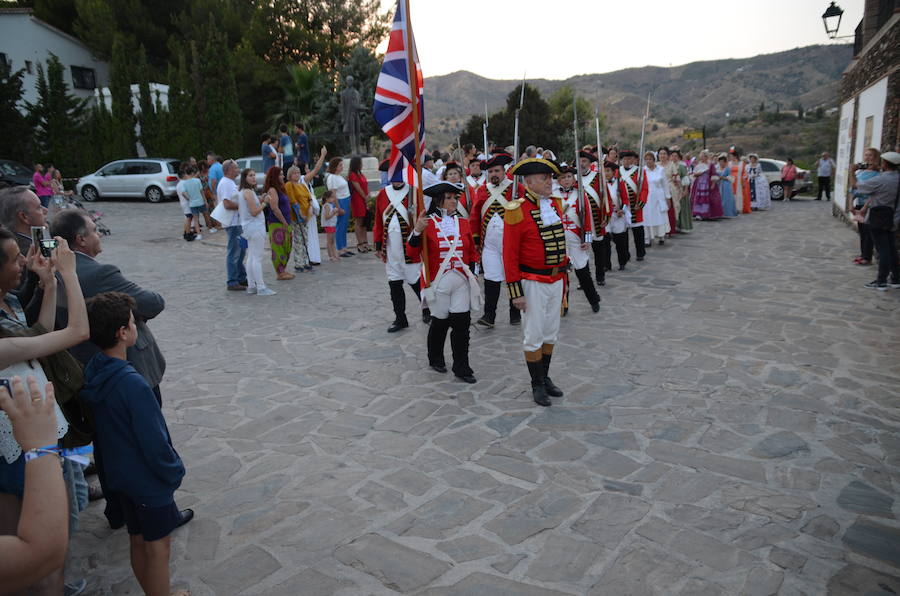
x=696, y=94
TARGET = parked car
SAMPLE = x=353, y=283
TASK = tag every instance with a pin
x=153, y=178
x=13, y=173
x=254, y=162
x=772, y=171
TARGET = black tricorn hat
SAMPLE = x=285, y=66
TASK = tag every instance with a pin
x=534, y=165
x=452, y=165
x=438, y=190
x=565, y=168
x=627, y=153
x=589, y=156
x=498, y=159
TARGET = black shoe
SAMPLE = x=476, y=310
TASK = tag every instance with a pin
x=467, y=379
x=482, y=322
x=186, y=516
x=640, y=259
x=877, y=285
x=601, y=282
x=516, y=321
x=551, y=388
x=539, y=393
x=565, y=311
x=315, y=264
x=397, y=326
x=438, y=368
x=426, y=316
x=595, y=307
x=621, y=267
x=661, y=241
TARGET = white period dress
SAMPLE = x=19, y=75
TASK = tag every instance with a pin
x=656, y=218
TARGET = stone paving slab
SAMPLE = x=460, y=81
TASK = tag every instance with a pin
x=730, y=426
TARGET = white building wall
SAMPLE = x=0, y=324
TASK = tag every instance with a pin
x=869, y=118
x=25, y=38
x=842, y=160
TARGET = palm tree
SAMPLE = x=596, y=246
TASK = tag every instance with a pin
x=299, y=93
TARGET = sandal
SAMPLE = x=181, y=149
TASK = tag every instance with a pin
x=362, y=248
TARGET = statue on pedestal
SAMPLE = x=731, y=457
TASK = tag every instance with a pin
x=350, y=110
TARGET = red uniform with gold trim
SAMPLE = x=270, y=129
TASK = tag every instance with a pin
x=633, y=194
x=601, y=203
x=532, y=250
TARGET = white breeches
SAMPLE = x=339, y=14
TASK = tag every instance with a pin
x=450, y=295
x=492, y=251
x=396, y=267
x=578, y=256
x=540, y=320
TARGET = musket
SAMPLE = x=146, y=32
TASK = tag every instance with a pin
x=582, y=195
x=484, y=129
x=641, y=152
x=462, y=162
x=515, y=189
x=604, y=216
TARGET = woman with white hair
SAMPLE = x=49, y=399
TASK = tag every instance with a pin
x=705, y=200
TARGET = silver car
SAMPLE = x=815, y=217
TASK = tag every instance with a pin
x=772, y=171
x=153, y=178
x=255, y=163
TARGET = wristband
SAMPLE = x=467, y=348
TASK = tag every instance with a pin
x=76, y=454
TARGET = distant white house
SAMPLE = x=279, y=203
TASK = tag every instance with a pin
x=26, y=41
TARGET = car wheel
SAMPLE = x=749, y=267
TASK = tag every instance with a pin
x=154, y=194
x=90, y=194
x=776, y=190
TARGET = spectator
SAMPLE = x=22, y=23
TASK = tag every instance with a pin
x=335, y=182
x=253, y=223
x=37, y=546
x=216, y=172
x=59, y=190
x=331, y=210
x=18, y=357
x=268, y=152
x=185, y=203
x=313, y=246
x=824, y=172
x=859, y=172
x=41, y=181
x=20, y=210
x=301, y=196
x=286, y=148
x=788, y=175
x=301, y=144
x=211, y=225
x=77, y=228
x=227, y=195
x=136, y=461
x=193, y=188
x=884, y=192
x=278, y=222
x=359, y=193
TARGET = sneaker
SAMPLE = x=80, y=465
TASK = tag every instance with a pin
x=198, y=237
x=212, y=230
x=74, y=588
x=265, y=292
x=894, y=285
x=876, y=285
x=482, y=322
x=251, y=290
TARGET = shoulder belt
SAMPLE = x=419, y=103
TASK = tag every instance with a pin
x=396, y=196
x=496, y=194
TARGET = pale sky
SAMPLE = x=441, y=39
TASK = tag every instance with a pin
x=554, y=39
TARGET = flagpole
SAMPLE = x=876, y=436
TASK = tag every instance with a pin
x=414, y=99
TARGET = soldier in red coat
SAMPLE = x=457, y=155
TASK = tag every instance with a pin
x=578, y=223
x=535, y=261
x=453, y=173
x=476, y=177
x=449, y=279
x=601, y=208
x=635, y=194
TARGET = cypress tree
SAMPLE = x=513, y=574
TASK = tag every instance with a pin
x=218, y=110
x=14, y=140
x=55, y=118
x=148, y=119
x=180, y=129
x=122, y=109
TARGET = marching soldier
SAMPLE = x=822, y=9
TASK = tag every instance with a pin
x=476, y=177
x=486, y=218
x=453, y=173
x=450, y=281
x=534, y=252
x=620, y=219
x=601, y=208
x=636, y=197
x=578, y=223
x=393, y=223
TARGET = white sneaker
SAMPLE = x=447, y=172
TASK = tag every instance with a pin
x=198, y=237
x=251, y=290
x=212, y=230
x=265, y=292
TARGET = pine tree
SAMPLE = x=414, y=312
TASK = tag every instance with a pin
x=123, y=117
x=55, y=118
x=15, y=137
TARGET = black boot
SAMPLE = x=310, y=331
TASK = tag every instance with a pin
x=515, y=315
x=587, y=285
x=398, y=299
x=426, y=316
x=491, y=296
x=459, y=345
x=538, y=391
x=437, y=334
x=552, y=389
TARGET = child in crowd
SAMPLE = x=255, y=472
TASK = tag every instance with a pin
x=330, y=212
x=137, y=464
x=185, y=202
x=193, y=188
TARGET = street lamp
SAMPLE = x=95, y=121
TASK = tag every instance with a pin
x=832, y=19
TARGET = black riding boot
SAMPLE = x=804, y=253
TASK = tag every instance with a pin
x=491, y=296
x=587, y=285
x=552, y=389
x=398, y=299
x=426, y=314
x=515, y=315
x=437, y=334
x=538, y=390
x=459, y=345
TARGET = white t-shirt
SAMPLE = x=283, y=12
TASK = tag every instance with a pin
x=339, y=185
x=327, y=209
x=182, y=198
x=227, y=189
x=252, y=224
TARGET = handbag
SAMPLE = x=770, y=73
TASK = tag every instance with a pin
x=882, y=216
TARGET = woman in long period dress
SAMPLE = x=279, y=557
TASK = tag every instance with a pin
x=705, y=199
x=685, y=220
x=673, y=181
x=722, y=174
x=759, y=186
x=656, y=218
x=740, y=182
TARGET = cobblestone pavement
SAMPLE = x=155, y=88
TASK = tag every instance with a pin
x=730, y=426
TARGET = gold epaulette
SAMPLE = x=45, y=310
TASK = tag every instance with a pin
x=513, y=213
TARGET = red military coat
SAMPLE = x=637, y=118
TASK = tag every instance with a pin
x=435, y=250
x=633, y=193
x=532, y=250
x=384, y=211
x=482, y=212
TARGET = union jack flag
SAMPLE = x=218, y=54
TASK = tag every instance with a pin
x=393, y=105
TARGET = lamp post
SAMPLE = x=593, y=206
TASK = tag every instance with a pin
x=832, y=19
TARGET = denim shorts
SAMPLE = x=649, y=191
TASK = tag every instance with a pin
x=198, y=210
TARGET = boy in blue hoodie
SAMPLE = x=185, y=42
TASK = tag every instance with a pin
x=139, y=468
